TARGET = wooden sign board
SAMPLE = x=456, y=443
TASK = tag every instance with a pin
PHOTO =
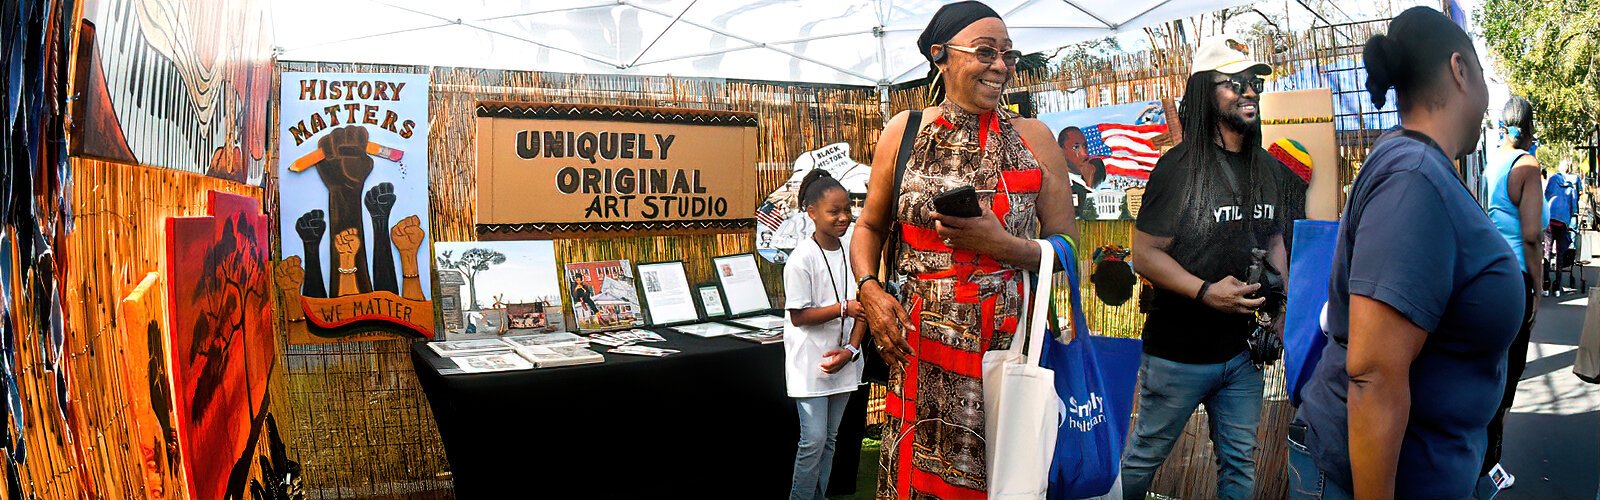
x=570, y=167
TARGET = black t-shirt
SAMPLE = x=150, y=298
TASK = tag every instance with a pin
x=1214, y=222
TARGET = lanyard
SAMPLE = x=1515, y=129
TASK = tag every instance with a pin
x=834, y=282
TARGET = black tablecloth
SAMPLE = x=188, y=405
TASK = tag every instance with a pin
x=712, y=421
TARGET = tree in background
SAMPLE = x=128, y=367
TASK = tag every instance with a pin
x=472, y=262
x=1549, y=52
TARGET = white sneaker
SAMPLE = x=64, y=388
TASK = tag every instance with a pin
x=1502, y=479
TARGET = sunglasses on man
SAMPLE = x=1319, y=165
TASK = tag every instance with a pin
x=987, y=54
x=1239, y=82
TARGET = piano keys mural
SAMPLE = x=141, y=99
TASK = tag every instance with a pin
x=180, y=84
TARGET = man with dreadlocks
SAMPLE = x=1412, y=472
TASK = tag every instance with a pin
x=1210, y=202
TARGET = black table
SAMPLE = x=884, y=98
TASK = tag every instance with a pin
x=712, y=421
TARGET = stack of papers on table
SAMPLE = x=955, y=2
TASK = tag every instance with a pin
x=709, y=329
x=520, y=352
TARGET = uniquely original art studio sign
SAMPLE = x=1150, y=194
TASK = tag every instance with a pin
x=566, y=167
x=353, y=197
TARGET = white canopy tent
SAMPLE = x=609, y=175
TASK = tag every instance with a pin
x=848, y=42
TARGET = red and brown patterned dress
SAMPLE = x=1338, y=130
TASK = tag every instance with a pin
x=961, y=303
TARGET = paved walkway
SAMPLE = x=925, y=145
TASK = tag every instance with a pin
x=1552, y=441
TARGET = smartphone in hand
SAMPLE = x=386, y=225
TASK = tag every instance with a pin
x=958, y=202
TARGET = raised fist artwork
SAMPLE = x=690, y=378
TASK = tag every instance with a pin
x=344, y=169
x=288, y=276
x=408, y=236
x=311, y=227
x=379, y=201
x=348, y=245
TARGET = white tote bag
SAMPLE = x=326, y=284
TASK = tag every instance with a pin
x=1021, y=409
x=1588, y=365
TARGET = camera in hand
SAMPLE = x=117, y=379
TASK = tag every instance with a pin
x=958, y=202
x=1266, y=347
x=1261, y=272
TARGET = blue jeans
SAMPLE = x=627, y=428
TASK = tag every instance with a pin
x=1306, y=481
x=819, y=429
x=1169, y=392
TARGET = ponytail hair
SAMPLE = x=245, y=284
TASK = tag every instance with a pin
x=816, y=183
x=1407, y=59
x=1517, y=116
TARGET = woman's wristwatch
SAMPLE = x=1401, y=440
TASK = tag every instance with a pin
x=855, y=354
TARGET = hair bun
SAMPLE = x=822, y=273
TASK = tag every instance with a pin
x=1379, y=55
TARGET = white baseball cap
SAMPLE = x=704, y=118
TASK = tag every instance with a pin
x=1226, y=54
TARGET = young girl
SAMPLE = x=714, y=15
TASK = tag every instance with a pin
x=821, y=339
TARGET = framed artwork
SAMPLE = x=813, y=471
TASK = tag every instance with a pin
x=492, y=280
x=741, y=279
x=668, y=300
x=711, y=302
x=604, y=296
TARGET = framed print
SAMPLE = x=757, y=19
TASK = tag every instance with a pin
x=668, y=300
x=604, y=296
x=711, y=300
x=741, y=281
x=508, y=284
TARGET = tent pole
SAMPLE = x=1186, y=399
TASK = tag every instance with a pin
x=883, y=72
x=883, y=102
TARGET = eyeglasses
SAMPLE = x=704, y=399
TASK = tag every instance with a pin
x=1238, y=83
x=987, y=54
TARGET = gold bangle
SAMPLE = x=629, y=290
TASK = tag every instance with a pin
x=410, y=275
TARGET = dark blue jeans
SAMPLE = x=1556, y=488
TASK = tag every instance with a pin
x=1306, y=481
x=1169, y=392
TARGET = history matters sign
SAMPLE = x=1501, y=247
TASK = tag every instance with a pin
x=353, y=197
x=567, y=167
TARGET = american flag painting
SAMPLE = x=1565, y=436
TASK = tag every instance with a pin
x=1127, y=150
x=769, y=215
x=1120, y=147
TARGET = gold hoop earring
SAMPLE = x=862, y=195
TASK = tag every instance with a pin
x=933, y=86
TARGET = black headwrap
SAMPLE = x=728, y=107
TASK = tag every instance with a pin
x=949, y=20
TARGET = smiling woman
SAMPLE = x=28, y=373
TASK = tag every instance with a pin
x=961, y=293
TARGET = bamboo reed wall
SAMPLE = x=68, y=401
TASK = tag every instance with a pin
x=362, y=426
x=119, y=212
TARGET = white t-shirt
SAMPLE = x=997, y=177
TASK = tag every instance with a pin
x=805, y=285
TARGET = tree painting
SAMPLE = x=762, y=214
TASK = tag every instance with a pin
x=221, y=341
x=472, y=262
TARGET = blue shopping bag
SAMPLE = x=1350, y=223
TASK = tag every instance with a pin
x=1095, y=379
x=1310, y=264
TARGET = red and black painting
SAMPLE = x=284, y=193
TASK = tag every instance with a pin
x=222, y=344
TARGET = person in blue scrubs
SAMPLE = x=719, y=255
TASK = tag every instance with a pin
x=1425, y=296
